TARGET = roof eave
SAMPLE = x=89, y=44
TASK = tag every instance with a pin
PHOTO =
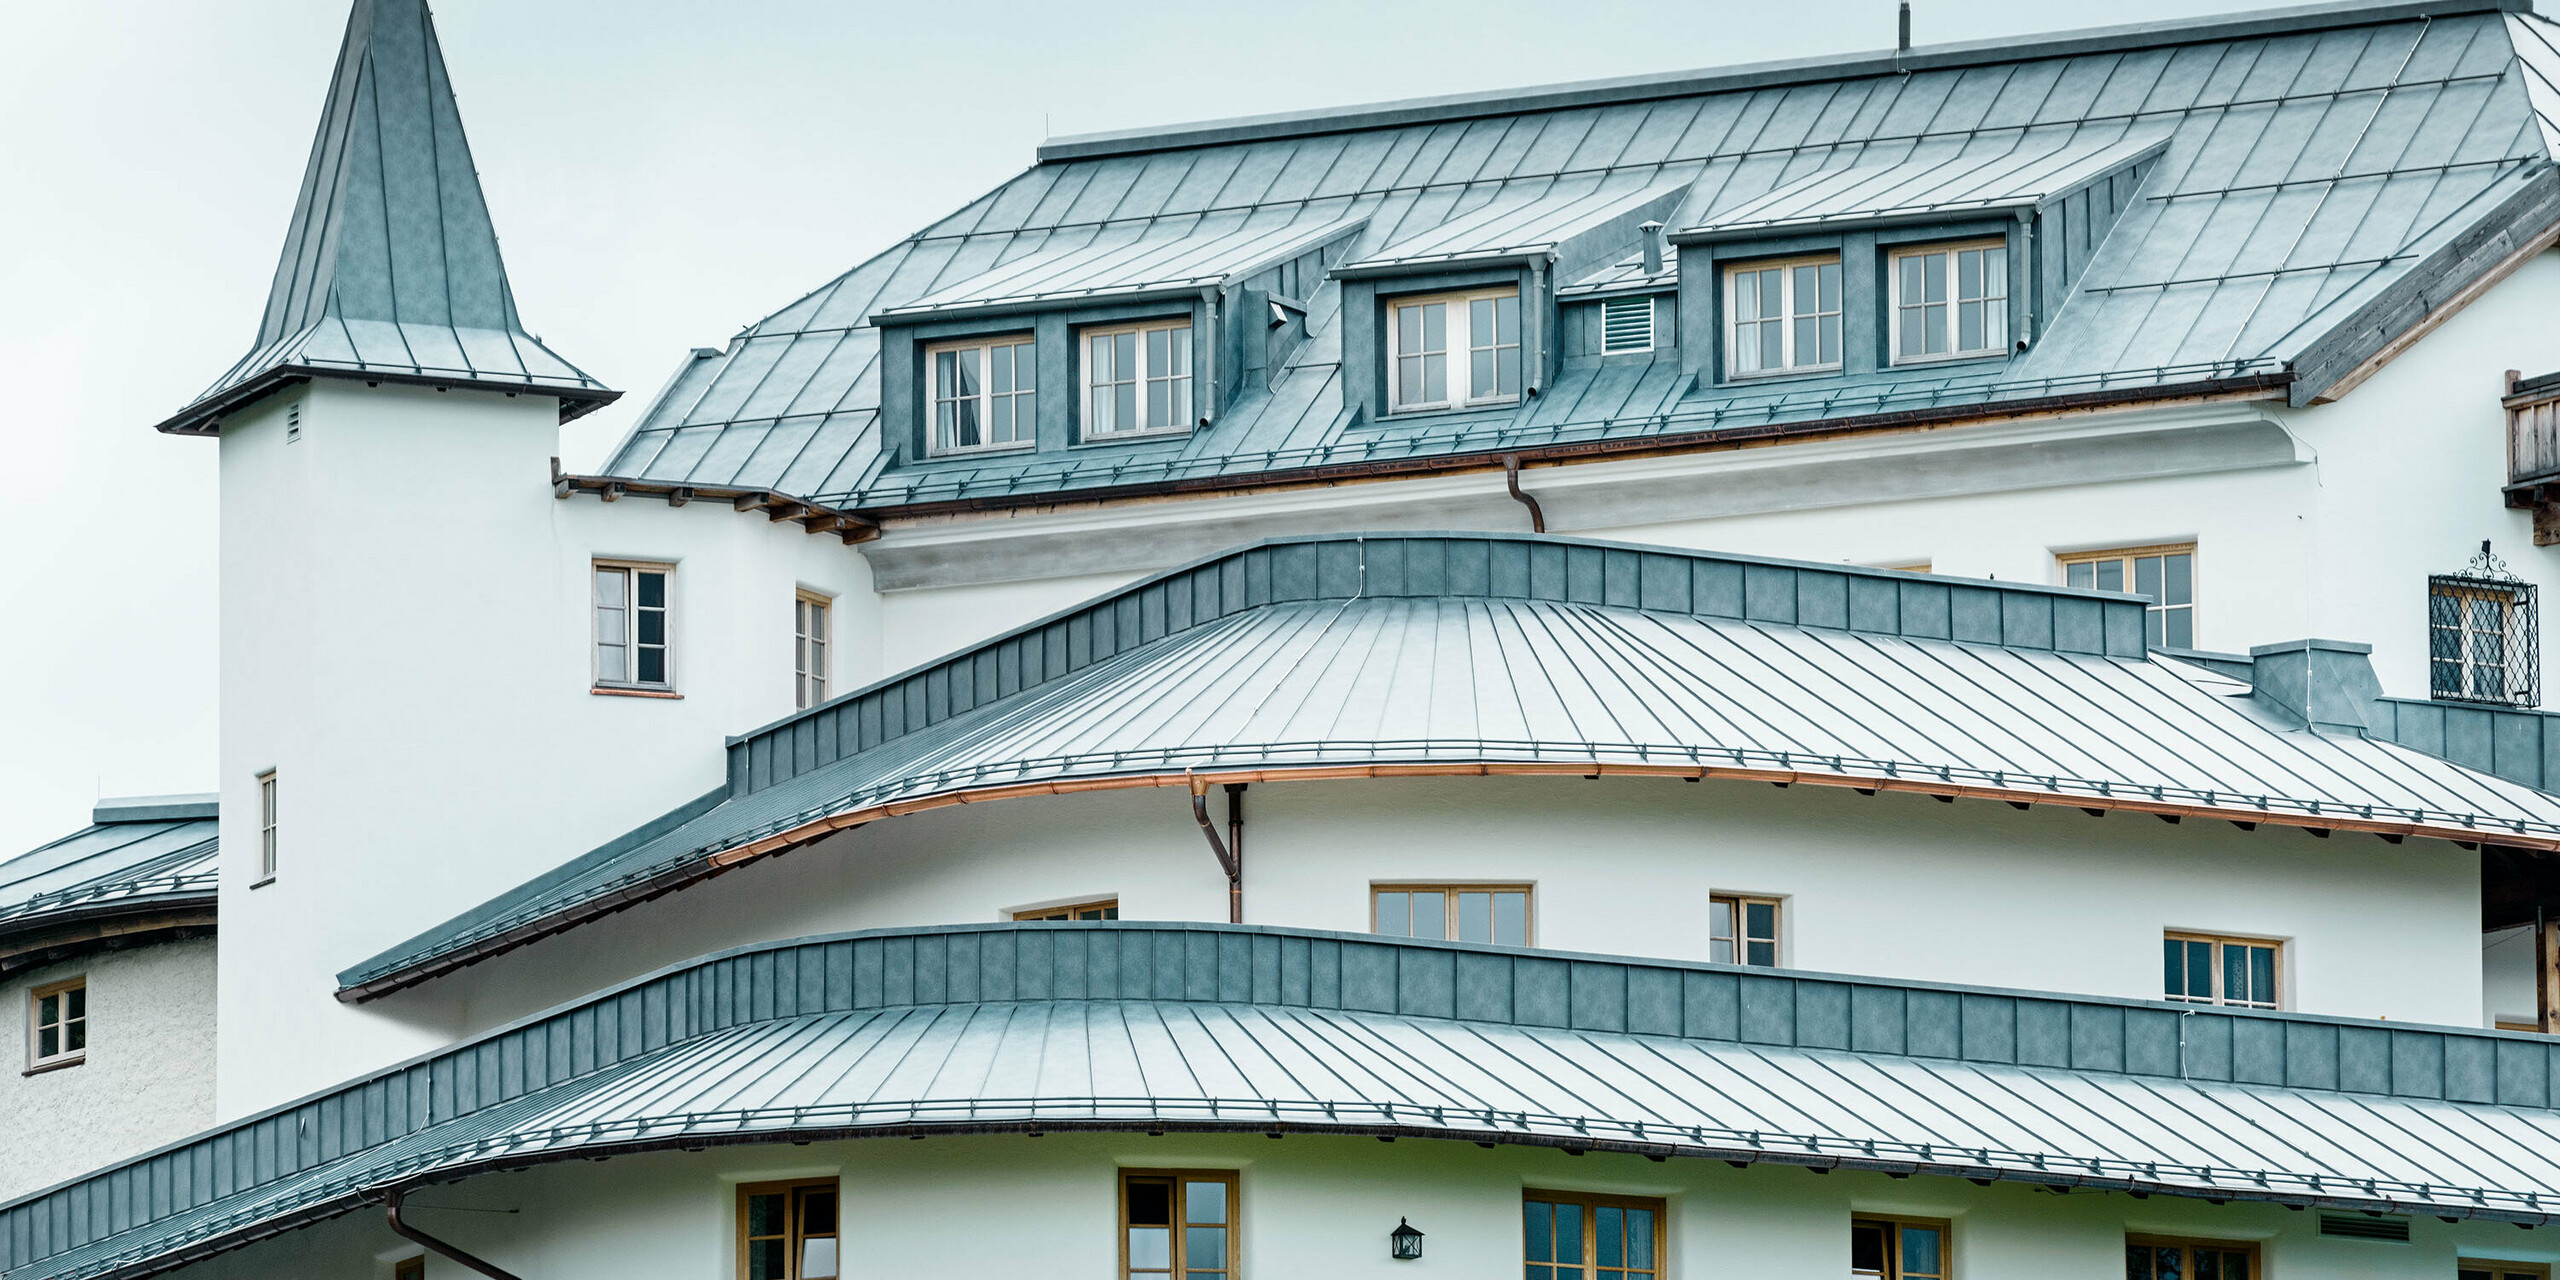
x=204, y=417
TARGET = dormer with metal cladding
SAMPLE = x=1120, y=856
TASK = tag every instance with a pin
x=390, y=270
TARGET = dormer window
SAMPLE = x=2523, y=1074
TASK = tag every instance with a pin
x=982, y=394
x=1950, y=302
x=1137, y=379
x=1786, y=316
x=1454, y=350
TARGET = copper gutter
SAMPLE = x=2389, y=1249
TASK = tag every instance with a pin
x=695, y=870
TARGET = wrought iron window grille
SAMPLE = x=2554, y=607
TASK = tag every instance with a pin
x=2484, y=641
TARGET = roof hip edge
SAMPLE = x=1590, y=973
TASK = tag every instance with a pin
x=1639, y=88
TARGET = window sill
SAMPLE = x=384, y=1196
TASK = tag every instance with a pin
x=1932, y=362
x=1783, y=375
x=56, y=1064
x=981, y=451
x=618, y=691
x=1451, y=410
x=262, y=882
x=1130, y=437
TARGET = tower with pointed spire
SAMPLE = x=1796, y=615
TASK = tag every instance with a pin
x=389, y=554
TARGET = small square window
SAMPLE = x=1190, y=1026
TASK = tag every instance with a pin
x=1784, y=317
x=2167, y=574
x=58, y=1024
x=1137, y=379
x=1453, y=350
x=1494, y=913
x=1899, y=1249
x=1950, y=302
x=1742, y=930
x=1178, y=1225
x=2202, y=969
x=1626, y=325
x=787, y=1230
x=810, y=616
x=633, y=616
x=982, y=395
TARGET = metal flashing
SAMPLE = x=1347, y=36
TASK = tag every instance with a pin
x=390, y=269
x=155, y=808
x=2126, y=38
x=1602, y=1054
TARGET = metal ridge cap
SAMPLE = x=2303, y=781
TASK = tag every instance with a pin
x=1790, y=71
x=162, y=808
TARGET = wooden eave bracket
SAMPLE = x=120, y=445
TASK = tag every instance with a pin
x=851, y=526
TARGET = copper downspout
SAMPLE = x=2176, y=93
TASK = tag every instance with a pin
x=1230, y=861
x=1511, y=479
x=391, y=1212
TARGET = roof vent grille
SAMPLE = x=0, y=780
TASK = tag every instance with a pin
x=2356, y=1226
x=293, y=422
x=1626, y=324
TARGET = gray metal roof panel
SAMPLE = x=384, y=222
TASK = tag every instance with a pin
x=2315, y=164
x=1129, y=1025
x=151, y=849
x=1479, y=649
x=390, y=266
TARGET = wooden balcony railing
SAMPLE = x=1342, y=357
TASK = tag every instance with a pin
x=2533, y=451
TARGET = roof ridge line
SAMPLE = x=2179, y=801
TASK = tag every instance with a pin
x=1637, y=88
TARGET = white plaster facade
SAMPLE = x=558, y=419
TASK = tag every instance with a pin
x=147, y=1078
x=1308, y=1206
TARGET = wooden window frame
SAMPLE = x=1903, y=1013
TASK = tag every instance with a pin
x=63, y=1057
x=1177, y=1267
x=2497, y=1269
x=1071, y=911
x=792, y=1236
x=1591, y=1203
x=1652, y=324
x=2257, y=1264
x=2221, y=999
x=267, y=828
x=1893, y=1262
x=1449, y=890
x=931, y=394
x=812, y=650
x=1144, y=375
x=2062, y=562
x=631, y=609
x=410, y=1268
x=1948, y=250
x=1739, y=939
x=1457, y=350
x=1787, y=318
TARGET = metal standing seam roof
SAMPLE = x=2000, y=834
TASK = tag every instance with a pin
x=152, y=852
x=2325, y=171
x=390, y=269
x=994, y=1028
x=1446, y=653
x=1954, y=181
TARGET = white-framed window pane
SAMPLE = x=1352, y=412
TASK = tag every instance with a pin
x=1422, y=354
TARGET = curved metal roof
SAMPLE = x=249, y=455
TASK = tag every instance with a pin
x=1414, y=654
x=1014, y=1027
x=140, y=855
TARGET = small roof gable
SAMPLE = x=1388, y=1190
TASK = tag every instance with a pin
x=1172, y=255
x=390, y=270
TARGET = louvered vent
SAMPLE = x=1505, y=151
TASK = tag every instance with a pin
x=293, y=422
x=2356, y=1226
x=1626, y=324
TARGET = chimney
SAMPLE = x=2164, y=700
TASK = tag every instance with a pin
x=2327, y=684
x=1652, y=233
x=1903, y=43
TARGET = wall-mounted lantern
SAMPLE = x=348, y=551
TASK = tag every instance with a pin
x=1404, y=1242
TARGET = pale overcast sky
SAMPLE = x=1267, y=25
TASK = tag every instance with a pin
x=661, y=174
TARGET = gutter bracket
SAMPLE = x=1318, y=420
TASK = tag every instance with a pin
x=391, y=1214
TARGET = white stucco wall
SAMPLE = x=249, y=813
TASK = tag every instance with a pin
x=148, y=1077
x=1892, y=885
x=1309, y=1206
x=406, y=639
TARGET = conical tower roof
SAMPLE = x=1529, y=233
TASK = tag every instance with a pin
x=390, y=270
